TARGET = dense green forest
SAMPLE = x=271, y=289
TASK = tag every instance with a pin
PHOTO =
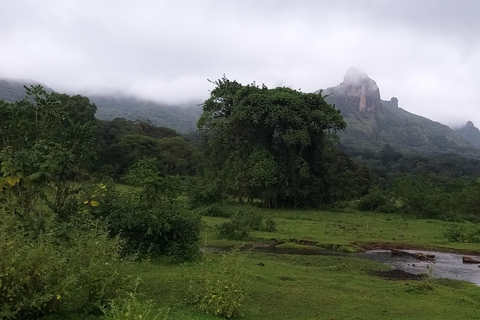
x=81, y=198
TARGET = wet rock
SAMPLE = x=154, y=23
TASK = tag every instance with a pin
x=417, y=255
x=467, y=259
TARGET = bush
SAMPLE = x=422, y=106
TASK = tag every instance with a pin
x=244, y=220
x=219, y=289
x=206, y=191
x=43, y=273
x=465, y=234
x=214, y=210
x=150, y=230
x=238, y=226
x=270, y=225
x=95, y=260
x=372, y=201
x=32, y=272
x=233, y=230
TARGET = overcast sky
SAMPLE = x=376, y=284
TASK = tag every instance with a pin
x=424, y=52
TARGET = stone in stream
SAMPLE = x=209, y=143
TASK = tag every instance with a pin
x=467, y=259
x=417, y=255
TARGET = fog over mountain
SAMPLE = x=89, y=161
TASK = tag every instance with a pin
x=427, y=53
x=372, y=122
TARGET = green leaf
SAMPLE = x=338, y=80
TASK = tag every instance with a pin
x=13, y=180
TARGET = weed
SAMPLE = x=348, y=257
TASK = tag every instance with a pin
x=270, y=225
x=131, y=308
x=219, y=289
x=427, y=283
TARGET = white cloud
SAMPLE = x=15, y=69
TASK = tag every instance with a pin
x=425, y=53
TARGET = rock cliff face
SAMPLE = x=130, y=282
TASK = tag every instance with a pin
x=357, y=94
x=373, y=122
x=362, y=90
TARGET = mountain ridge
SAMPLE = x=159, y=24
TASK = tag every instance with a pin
x=109, y=106
x=372, y=122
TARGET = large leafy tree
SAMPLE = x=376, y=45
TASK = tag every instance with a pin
x=270, y=143
x=46, y=146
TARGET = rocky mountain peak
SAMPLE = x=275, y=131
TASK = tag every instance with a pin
x=358, y=84
x=470, y=133
x=361, y=92
x=470, y=124
x=355, y=76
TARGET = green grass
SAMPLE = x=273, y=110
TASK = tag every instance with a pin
x=317, y=286
x=340, y=228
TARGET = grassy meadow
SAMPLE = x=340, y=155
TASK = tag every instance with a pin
x=350, y=230
x=280, y=286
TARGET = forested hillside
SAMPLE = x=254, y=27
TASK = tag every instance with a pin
x=182, y=118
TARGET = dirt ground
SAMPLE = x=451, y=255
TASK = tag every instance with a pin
x=396, y=274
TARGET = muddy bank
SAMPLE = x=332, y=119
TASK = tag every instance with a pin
x=267, y=248
x=397, y=274
x=369, y=246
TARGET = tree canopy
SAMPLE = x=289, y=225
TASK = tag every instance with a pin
x=270, y=144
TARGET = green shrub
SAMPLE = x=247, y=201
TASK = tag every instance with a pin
x=219, y=289
x=214, y=210
x=466, y=234
x=372, y=201
x=32, y=272
x=238, y=226
x=270, y=225
x=44, y=273
x=250, y=218
x=205, y=191
x=242, y=221
x=233, y=230
x=98, y=268
x=150, y=230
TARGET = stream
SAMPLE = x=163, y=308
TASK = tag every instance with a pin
x=445, y=265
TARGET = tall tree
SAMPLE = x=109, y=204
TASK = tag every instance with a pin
x=270, y=143
x=47, y=144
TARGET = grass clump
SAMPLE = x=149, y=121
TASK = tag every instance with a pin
x=132, y=308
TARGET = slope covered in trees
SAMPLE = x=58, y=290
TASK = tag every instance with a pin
x=181, y=118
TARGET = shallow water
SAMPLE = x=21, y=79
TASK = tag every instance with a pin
x=445, y=265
